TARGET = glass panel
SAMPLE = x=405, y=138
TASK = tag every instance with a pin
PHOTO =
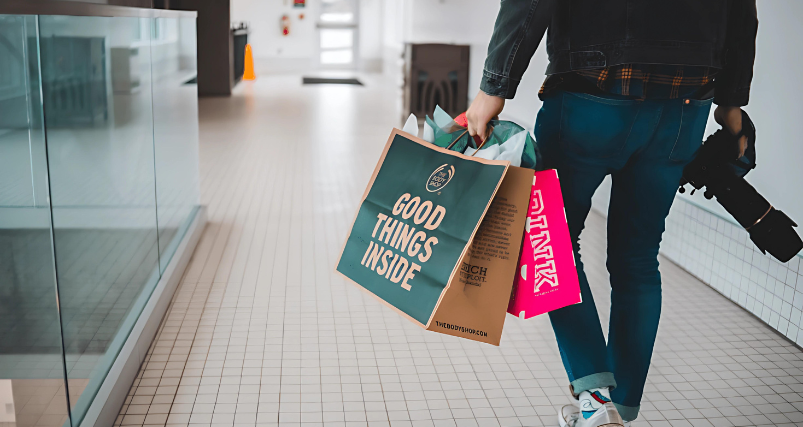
x=32, y=391
x=99, y=121
x=337, y=56
x=175, y=119
x=336, y=38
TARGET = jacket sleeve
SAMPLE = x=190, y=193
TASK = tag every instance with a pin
x=518, y=31
x=733, y=81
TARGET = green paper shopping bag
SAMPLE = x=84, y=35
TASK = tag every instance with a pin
x=437, y=237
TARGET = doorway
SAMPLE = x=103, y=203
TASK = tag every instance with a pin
x=338, y=34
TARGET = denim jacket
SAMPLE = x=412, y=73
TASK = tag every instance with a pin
x=583, y=34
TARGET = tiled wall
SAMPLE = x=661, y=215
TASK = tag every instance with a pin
x=720, y=253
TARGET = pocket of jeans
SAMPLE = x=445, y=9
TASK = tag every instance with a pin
x=694, y=117
x=596, y=126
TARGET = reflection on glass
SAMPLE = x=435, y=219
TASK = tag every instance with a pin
x=175, y=130
x=32, y=391
x=93, y=199
x=99, y=123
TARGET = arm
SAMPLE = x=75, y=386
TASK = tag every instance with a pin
x=518, y=31
x=733, y=82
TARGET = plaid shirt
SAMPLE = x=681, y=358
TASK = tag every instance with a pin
x=656, y=81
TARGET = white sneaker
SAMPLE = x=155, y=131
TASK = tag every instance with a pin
x=594, y=409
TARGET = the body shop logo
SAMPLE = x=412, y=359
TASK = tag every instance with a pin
x=442, y=175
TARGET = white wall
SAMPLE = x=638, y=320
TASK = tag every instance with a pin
x=370, y=45
x=524, y=107
x=296, y=52
x=272, y=50
x=776, y=109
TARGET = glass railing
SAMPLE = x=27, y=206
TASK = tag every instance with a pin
x=98, y=183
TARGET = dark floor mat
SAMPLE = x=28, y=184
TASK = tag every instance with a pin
x=331, y=81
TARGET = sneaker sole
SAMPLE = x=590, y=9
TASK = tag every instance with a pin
x=563, y=423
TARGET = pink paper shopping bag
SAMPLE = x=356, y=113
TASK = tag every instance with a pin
x=546, y=276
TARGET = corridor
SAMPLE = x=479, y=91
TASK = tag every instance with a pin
x=261, y=332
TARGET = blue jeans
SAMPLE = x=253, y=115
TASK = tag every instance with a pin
x=643, y=145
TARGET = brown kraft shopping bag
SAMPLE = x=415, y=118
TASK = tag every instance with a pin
x=437, y=237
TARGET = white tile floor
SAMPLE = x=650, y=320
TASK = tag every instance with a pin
x=36, y=402
x=262, y=333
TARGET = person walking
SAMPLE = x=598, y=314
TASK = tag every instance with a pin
x=628, y=92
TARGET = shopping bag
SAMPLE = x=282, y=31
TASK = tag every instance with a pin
x=546, y=278
x=437, y=237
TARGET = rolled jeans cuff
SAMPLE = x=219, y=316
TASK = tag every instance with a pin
x=628, y=413
x=598, y=380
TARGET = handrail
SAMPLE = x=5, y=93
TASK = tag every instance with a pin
x=79, y=8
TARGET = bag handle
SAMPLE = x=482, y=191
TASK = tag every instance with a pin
x=456, y=139
x=478, y=148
